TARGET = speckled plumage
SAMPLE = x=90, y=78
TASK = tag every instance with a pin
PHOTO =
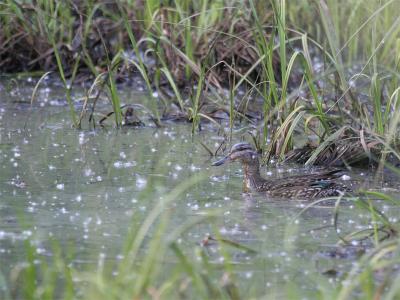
x=316, y=185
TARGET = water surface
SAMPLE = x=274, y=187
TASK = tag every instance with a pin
x=83, y=188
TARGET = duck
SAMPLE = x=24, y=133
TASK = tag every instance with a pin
x=320, y=184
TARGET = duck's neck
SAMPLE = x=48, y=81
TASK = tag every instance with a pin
x=252, y=179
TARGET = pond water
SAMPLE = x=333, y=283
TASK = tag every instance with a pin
x=83, y=188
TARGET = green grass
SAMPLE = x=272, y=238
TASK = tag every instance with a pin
x=160, y=267
x=266, y=49
x=185, y=40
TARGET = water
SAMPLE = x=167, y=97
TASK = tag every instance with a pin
x=83, y=189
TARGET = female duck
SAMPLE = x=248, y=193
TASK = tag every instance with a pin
x=317, y=185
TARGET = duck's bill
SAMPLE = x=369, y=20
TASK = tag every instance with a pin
x=221, y=161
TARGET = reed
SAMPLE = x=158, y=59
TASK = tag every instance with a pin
x=183, y=37
x=322, y=67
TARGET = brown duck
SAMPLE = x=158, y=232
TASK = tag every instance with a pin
x=317, y=185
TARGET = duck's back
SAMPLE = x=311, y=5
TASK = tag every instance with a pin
x=316, y=185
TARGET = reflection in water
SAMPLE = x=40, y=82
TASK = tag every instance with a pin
x=84, y=189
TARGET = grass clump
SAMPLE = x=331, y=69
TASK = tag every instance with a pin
x=327, y=70
x=342, y=70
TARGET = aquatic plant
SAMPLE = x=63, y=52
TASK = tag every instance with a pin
x=267, y=48
x=336, y=77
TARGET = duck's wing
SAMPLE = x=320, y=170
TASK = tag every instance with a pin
x=320, y=184
x=306, y=179
x=318, y=189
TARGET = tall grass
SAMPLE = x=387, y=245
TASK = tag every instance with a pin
x=182, y=36
x=355, y=43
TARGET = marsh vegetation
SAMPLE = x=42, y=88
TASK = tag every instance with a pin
x=111, y=113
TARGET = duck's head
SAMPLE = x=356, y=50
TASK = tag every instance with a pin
x=242, y=152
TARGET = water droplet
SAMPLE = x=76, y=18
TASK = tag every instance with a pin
x=141, y=182
x=345, y=177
